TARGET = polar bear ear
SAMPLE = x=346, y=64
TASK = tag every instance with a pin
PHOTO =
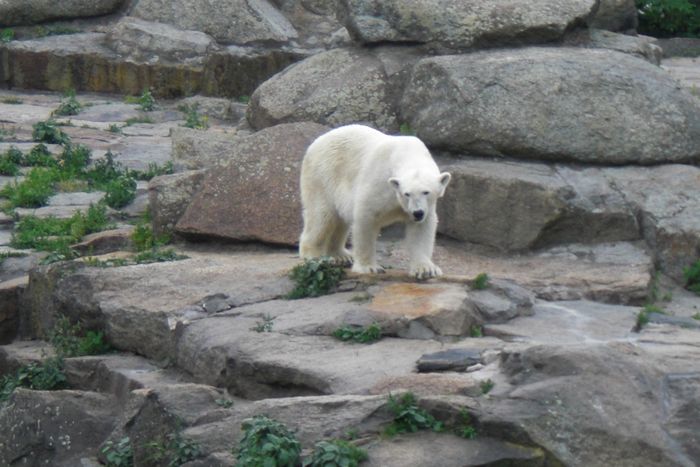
x=394, y=182
x=445, y=178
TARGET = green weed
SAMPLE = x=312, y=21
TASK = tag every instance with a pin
x=696, y=316
x=408, y=417
x=267, y=442
x=315, y=277
x=7, y=35
x=665, y=18
x=464, y=428
x=361, y=335
x=335, y=453
x=244, y=99
x=406, y=130
x=69, y=105
x=175, y=449
x=481, y=281
x=11, y=100
x=108, y=263
x=486, y=386
x=34, y=191
x=224, y=403
x=145, y=101
x=153, y=170
x=14, y=155
x=43, y=376
x=136, y=120
x=265, y=325
x=114, y=128
x=158, y=256
x=8, y=167
x=71, y=340
x=10, y=254
x=692, y=277
x=40, y=156
x=54, y=30
x=119, y=454
x=73, y=160
x=192, y=117
x=120, y=192
x=476, y=331
x=48, y=132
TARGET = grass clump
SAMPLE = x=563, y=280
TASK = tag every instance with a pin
x=359, y=334
x=481, y=281
x=158, y=256
x=265, y=325
x=486, y=386
x=34, y=191
x=48, y=132
x=267, y=442
x=464, y=428
x=692, y=277
x=71, y=340
x=145, y=101
x=39, y=156
x=136, y=120
x=43, y=376
x=408, y=417
x=335, y=453
x=119, y=454
x=175, y=449
x=153, y=170
x=666, y=18
x=315, y=277
x=9, y=165
x=69, y=105
x=7, y=35
x=120, y=192
x=192, y=117
x=476, y=331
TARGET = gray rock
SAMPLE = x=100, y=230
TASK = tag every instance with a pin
x=214, y=107
x=502, y=301
x=227, y=21
x=147, y=41
x=255, y=195
x=553, y=103
x=196, y=149
x=615, y=15
x=640, y=46
x=107, y=241
x=55, y=427
x=11, y=292
x=332, y=88
x=462, y=24
x=532, y=205
x=682, y=321
x=169, y=196
x=20, y=12
x=449, y=360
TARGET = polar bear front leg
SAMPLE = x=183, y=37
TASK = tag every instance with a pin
x=420, y=240
x=364, y=245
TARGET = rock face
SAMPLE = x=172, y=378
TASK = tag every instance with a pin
x=238, y=21
x=553, y=104
x=333, y=88
x=266, y=163
x=145, y=41
x=20, y=12
x=462, y=24
x=615, y=15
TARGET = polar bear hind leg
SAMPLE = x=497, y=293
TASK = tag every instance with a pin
x=324, y=235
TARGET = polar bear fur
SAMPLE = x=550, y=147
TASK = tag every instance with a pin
x=357, y=178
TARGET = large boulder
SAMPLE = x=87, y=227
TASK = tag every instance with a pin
x=23, y=12
x=583, y=105
x=334, y=88
x=463, y=23
x=615, y=15
x=228, y=21
x=255, y=195
x=147, y=41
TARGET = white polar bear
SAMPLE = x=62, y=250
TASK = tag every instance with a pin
x=357, y=177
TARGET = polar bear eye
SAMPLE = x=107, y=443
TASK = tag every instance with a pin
x=407, y=195
x=426, y=193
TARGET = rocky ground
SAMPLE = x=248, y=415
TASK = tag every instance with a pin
x=575, y=188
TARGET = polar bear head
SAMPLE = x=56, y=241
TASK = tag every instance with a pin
x=418, y=192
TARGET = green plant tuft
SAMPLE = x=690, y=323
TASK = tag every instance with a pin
x=267, y=442
x=666, y=18
x=7, y=35
x=48, y=132
x=408, y=417
x=158, y=256
x=145, y=101
x=692, y=277
x=476, y=331
x=69, y=105
x=486, y=386
x=315, y=277
x=43, y=376
x=40, y=156
x=406, y=130
x=176, y=449
x=192, y=117
x=34, y=191
x=265, y=325
x=463, y=428
x=335, y=453
x=119, y=454
x=70, y=340
x=481, y=281
x=120, y=192
x=359, y=334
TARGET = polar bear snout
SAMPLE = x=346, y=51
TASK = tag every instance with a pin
x=418, y=215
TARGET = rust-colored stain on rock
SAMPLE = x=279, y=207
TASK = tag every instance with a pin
x=406, y=299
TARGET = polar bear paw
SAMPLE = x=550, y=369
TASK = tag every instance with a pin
x=367, y=269
x=425, y=271
x=342, y=259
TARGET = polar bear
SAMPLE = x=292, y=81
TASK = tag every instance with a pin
x=355, y=177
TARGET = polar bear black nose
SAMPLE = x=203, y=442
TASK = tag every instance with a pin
x=418, y=215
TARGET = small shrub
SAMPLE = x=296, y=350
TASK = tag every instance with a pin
x=692, y=277
x=244, y=99
x=192, y=118
x=34, y=191
x=136, y=120
x=153, y=170
x=665, y=18
x=104, y=171
x=265, y=325
x=48, y=132
x=69, y=105
x=267, y=442
x=73, y=160
x=408, y=417
x=114, y=128
x=315, y=277
x=177, y=449
x=463, y=428
x=8, y=167
x=642, y=320
x=119, y=454
x=481, y=281
x=225, y=403
x=145, y=101
x=40, y=156
x=361, y=335
x=14, y=155
x=486, y=386
x=120, y=192
x=7, y=35
x=476, y=331
x=43, y=376
x=696, y=316
x=336, y=453
x=70, y=340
